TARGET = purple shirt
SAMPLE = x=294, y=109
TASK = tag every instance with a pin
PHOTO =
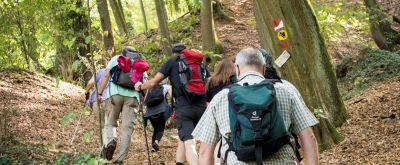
x=99, y=76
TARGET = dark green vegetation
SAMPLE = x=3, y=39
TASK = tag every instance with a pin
x=372, y=66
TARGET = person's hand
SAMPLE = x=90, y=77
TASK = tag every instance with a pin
x=137, y=86
x=87, y=94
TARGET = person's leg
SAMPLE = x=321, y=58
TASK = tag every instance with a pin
x=153, y=122
x=191, y=153
x=185, y=118
x=180, y=153
x=128, y=118
x=160, y=125
x=111, y=116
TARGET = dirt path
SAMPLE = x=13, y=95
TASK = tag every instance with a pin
x=234, y=35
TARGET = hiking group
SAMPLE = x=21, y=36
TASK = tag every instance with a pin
x=243, y=113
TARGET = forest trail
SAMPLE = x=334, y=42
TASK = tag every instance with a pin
x=238, y=34
x=37, y=104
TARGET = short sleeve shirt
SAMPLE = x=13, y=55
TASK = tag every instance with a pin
x=215, y=120
x=171, y=69
x=116, y=89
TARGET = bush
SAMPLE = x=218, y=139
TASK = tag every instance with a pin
x=373, y=65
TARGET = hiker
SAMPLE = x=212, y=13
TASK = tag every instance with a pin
x=158, y=111
x=188, y=79
x=245, y=140
x=91, y=96
x=223, y=76
x=122, y=72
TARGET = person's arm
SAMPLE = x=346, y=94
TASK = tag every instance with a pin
x=90, y=84
x=309, y=146
x=151, y=83
x=206, y=154
x=104, y=81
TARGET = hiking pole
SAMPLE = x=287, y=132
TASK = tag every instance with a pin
x=145, y=132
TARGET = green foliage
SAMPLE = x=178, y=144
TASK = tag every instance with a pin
x=319, y=113
x=341, y=20
x=17, y=152
x=85, y=158
x=374, y=65
x=67, y=118
x=87, y=136
x=213, y=59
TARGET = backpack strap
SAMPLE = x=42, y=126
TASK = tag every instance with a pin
x=230, y=148
x=219, y=149
x=296, y=147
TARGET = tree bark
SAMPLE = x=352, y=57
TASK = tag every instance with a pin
x=122, y=10
x=309, y=66
x=105, y=24
x=28, y=42
x=144, y=16
x=163, y=26
x=219, y=12
x=176, y=5
x=209, y=37
x=383, y=34
x=119, y=18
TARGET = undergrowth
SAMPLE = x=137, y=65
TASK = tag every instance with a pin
x=374, y=65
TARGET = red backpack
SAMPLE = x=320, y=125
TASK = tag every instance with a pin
x=192, y=73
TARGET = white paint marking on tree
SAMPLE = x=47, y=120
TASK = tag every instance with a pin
x=282, y=58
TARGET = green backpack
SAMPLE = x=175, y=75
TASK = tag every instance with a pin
x=257, y=126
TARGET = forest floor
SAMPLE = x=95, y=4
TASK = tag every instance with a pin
x=38, y=108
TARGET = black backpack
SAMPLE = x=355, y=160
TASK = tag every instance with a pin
x=155, y=96
x=124, y=78
x=257, y=126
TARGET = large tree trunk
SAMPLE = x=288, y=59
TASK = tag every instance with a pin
x=119, y=18
x=209, y=37
x=163, y=26
x=144, y=16
x=309, y=66
x=384, y=36
x=105, y=24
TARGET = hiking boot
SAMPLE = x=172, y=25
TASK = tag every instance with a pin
x=155, y=147
x=108, y=151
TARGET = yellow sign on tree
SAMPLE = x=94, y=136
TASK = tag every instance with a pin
x=282, y=35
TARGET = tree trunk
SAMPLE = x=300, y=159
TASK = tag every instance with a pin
x=209, y=37
x=384, y=36
x=219, y=11
x=28, y=43
x=119, y=18
x=163, y=26
x=176, y=5
x=105, y=24
x=122, y=10
x=309, y=66
x=144, y=16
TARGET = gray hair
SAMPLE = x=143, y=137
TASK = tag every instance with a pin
x=250, y=57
